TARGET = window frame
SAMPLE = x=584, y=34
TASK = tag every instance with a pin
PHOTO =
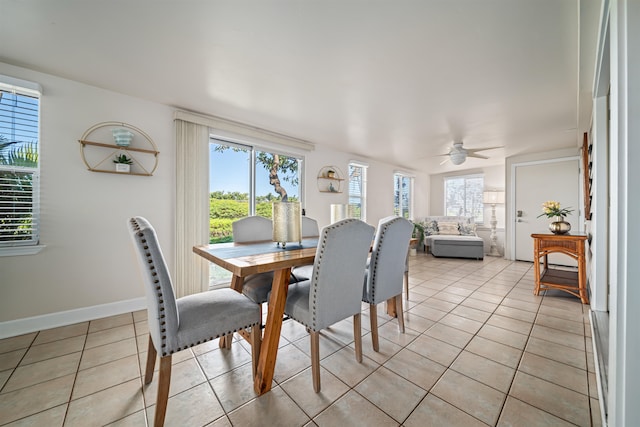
x=31, y=246
x=480, y=210
x=398, y=177
x=362, y=197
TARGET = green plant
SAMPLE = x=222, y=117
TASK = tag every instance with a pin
x=552, y=209
x=122, y=158
x=418, y=232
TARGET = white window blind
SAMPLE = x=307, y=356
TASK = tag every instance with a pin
x=19, y=165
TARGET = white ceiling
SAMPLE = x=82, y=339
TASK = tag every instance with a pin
x=397, y=81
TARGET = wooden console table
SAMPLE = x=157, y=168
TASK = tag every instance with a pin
x=573, y=282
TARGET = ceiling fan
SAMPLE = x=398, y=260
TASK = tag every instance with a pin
x=458, y=154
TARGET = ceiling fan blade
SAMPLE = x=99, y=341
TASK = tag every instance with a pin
x=445, y=160
x=477, y=156
x=474, y=150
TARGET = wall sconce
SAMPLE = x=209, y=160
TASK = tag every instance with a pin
x=493, y=197
x=287, y=222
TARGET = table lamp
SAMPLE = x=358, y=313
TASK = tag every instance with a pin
x=287, y=222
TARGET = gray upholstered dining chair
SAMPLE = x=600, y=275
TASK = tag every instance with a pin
x=177, y=324
x=334, y=291
x=385, y=272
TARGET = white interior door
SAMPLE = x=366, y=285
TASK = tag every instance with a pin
x=535, y=183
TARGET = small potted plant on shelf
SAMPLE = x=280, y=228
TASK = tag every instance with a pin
x=123, y=163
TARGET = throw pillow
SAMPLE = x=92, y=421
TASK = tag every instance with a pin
x=448, y=228
x=467, y=229
x=430, y=228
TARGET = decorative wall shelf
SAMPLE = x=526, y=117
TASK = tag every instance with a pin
x=329, y=182
x=98, y=156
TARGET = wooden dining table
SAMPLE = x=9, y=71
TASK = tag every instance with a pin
x=244, y=259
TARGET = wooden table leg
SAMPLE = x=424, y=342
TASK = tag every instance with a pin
x=269, y=349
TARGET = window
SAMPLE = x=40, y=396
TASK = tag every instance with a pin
x=245, y=180
x=357, y=191
x=403, y=195
x=463, y=196
x=19, y=165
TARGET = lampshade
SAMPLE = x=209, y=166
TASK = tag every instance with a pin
x=287, y=222
x=493, y=197
x=338, y=212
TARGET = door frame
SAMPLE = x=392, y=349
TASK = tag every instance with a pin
x=512, y=198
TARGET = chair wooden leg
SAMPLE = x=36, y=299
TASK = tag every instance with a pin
x=406, y=285
x=373, y=315
x=400, y=312
x=256, y=343
x=163, y=391
x=357, y=336
x=151, y=361
x=315, y=359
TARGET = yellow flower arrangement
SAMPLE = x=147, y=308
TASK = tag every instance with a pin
x=552, y=208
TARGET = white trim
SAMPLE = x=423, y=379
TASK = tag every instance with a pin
x=26, y=325
x=21, y=250
x=245, y=130
x=358, y=163
x=24, y=87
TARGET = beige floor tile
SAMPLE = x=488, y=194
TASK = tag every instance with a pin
x=108, y=353
x=522, y=305
x=61, y=333
x=61, y=347
x=483, y=296
x=196, y=406
x=433, y=411
x=484, y=370
x=568, y=339
x=517, y=413
x=516, y=313
x=37, y=398
x=290, y=361
x=386, y=348
x=53, y=417
x=416, y=323
x=184, y=375
x=389, y=331
x=415, y=368
x=328, y=345
x=4, y=376
x=510, y=324
x=11, y=359
x=478, y=304
x=445, y=295
x=16, y=343
x=137, y=419
x=557, y=352
x=560, y=324
x=343, y=364
x=471, y=313
x=461, y=323
x=449, y=334
x=495, y=351
x=434, y=349
x=596, y=414
x=564, y=312
x=104, y=376
x=439, y=304
x=221, y=422
x=557, y=400
x=109, y=336
x=270, y=409
x=353, y=409
x=219, y=361
x=234, y=388
x=300, y=389
x=106, y=406
x=140, y=315
x=375, y=388
x=475, y=398
x=503, y=336
x=142, y=328
x=110, y=322
x=555, y=372
x=28, y=375
x=427, y=311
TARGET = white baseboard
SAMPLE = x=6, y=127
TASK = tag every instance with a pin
x=26, y=325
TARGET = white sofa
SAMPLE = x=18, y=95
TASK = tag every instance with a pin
x=452, y=236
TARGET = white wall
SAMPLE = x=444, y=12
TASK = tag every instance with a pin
x=88, y=258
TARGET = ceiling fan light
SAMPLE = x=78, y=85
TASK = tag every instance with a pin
x=458, y=158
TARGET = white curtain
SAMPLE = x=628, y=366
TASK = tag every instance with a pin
x=192, y=206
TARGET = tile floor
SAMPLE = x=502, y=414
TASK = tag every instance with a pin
x=479, y=349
